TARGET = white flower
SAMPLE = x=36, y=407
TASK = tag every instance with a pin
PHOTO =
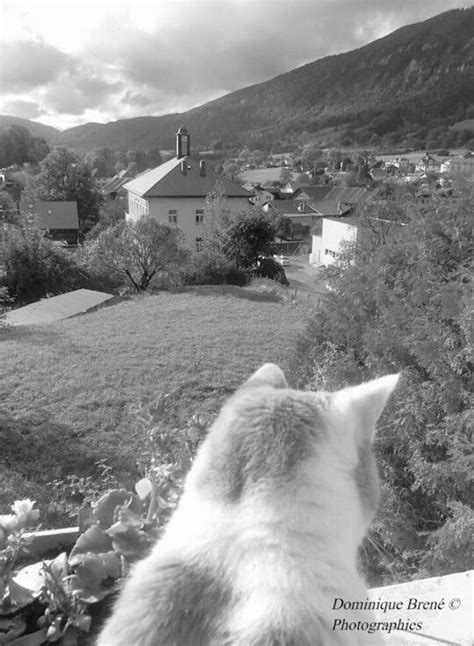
x=8, y=522
x=23, y=506
x=24, y=512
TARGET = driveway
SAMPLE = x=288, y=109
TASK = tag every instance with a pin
x=303, y=277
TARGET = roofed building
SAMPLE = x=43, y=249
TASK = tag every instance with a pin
x=175, y=192
x=59, y=218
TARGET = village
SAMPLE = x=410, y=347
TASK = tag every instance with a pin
x=313, y=195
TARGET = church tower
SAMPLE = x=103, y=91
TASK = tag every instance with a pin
x=183, y=143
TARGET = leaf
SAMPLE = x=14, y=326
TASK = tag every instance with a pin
x=31, y=577
x=131, y=543
x=144, y=488
x=19, y=595
x=105, y=508
x=93, y=540
x=92, y=570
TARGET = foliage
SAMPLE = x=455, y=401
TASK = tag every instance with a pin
x=63, y=176
x=210, y=267
x=35, y=266
x=18, y=146
x=137, y=252
x=399, y=300
x=111, y=212
x=120, y=529
x=106, y=162
x=8, y=211
x=249, y=237
x=14, y=544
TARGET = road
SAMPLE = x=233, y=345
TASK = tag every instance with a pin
x=303, y=277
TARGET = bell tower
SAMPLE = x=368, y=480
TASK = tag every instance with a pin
x=183, y=143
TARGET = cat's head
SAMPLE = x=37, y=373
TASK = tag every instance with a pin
x=276, y=442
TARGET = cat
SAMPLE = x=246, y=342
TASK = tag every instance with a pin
x=266, y=533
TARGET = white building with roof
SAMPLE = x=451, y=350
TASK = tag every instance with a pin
x=175, y=192
x=335, y=233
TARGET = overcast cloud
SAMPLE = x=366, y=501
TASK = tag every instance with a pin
x=74, y=62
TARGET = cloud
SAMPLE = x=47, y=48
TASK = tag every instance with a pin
x=30, y=64
x=78, y=90
x=129, y=60
x=25, y=109
x=192, y=55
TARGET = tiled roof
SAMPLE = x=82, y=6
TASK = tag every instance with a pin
x=350, y=195
x=330, y=207
x=293, y=207
x=168, y=180
x=115, y=184
x=314, y=192
x=54, y=215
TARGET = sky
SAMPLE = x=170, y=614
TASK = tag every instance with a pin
x=68, y=63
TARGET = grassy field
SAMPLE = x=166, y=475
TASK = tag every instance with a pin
x=67, y=388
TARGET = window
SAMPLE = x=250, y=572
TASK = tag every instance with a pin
x=199, y=216
x=198, y=244
x=329, y=252
x=173, y=216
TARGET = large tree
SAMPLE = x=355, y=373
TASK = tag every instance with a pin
x=64, y=176
x=399, y=300
x=17, y=146
x=136, y=252
x=250, y=236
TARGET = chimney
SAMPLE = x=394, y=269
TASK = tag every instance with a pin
x=202, y=168
x=339, y=208
x=184, y=166
x=183, y=143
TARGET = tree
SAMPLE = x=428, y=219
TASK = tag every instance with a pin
x=283, y=227
x=111, y=212
x=285, y=176
x=8, y=212
x=249, y=237
x=399, y=300
x=63, y=176
x=18, y=146
x=35, y=266
x=136, y=251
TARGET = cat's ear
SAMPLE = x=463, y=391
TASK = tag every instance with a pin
x=367, y=401
x=268, y=375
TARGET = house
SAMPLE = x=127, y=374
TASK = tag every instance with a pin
x=261, y=195
x=175, y=192
x=114, y=187
x=314, y=193
x=59, y=218
x=430, y=163
x=335, y=233
x=353, y=195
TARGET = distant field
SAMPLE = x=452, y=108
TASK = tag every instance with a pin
x=67, y=388
x=263, y=175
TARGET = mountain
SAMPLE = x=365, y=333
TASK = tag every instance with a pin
x=411, y=85
x=35, y=129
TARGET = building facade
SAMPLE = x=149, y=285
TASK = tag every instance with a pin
x=175, y=192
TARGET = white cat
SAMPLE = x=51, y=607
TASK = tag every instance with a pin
x=266, y=533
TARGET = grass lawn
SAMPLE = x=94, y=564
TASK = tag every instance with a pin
x=66, y=388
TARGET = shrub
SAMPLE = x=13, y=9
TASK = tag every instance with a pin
x=35, y=267
x=213, y=268
x=399, y=300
